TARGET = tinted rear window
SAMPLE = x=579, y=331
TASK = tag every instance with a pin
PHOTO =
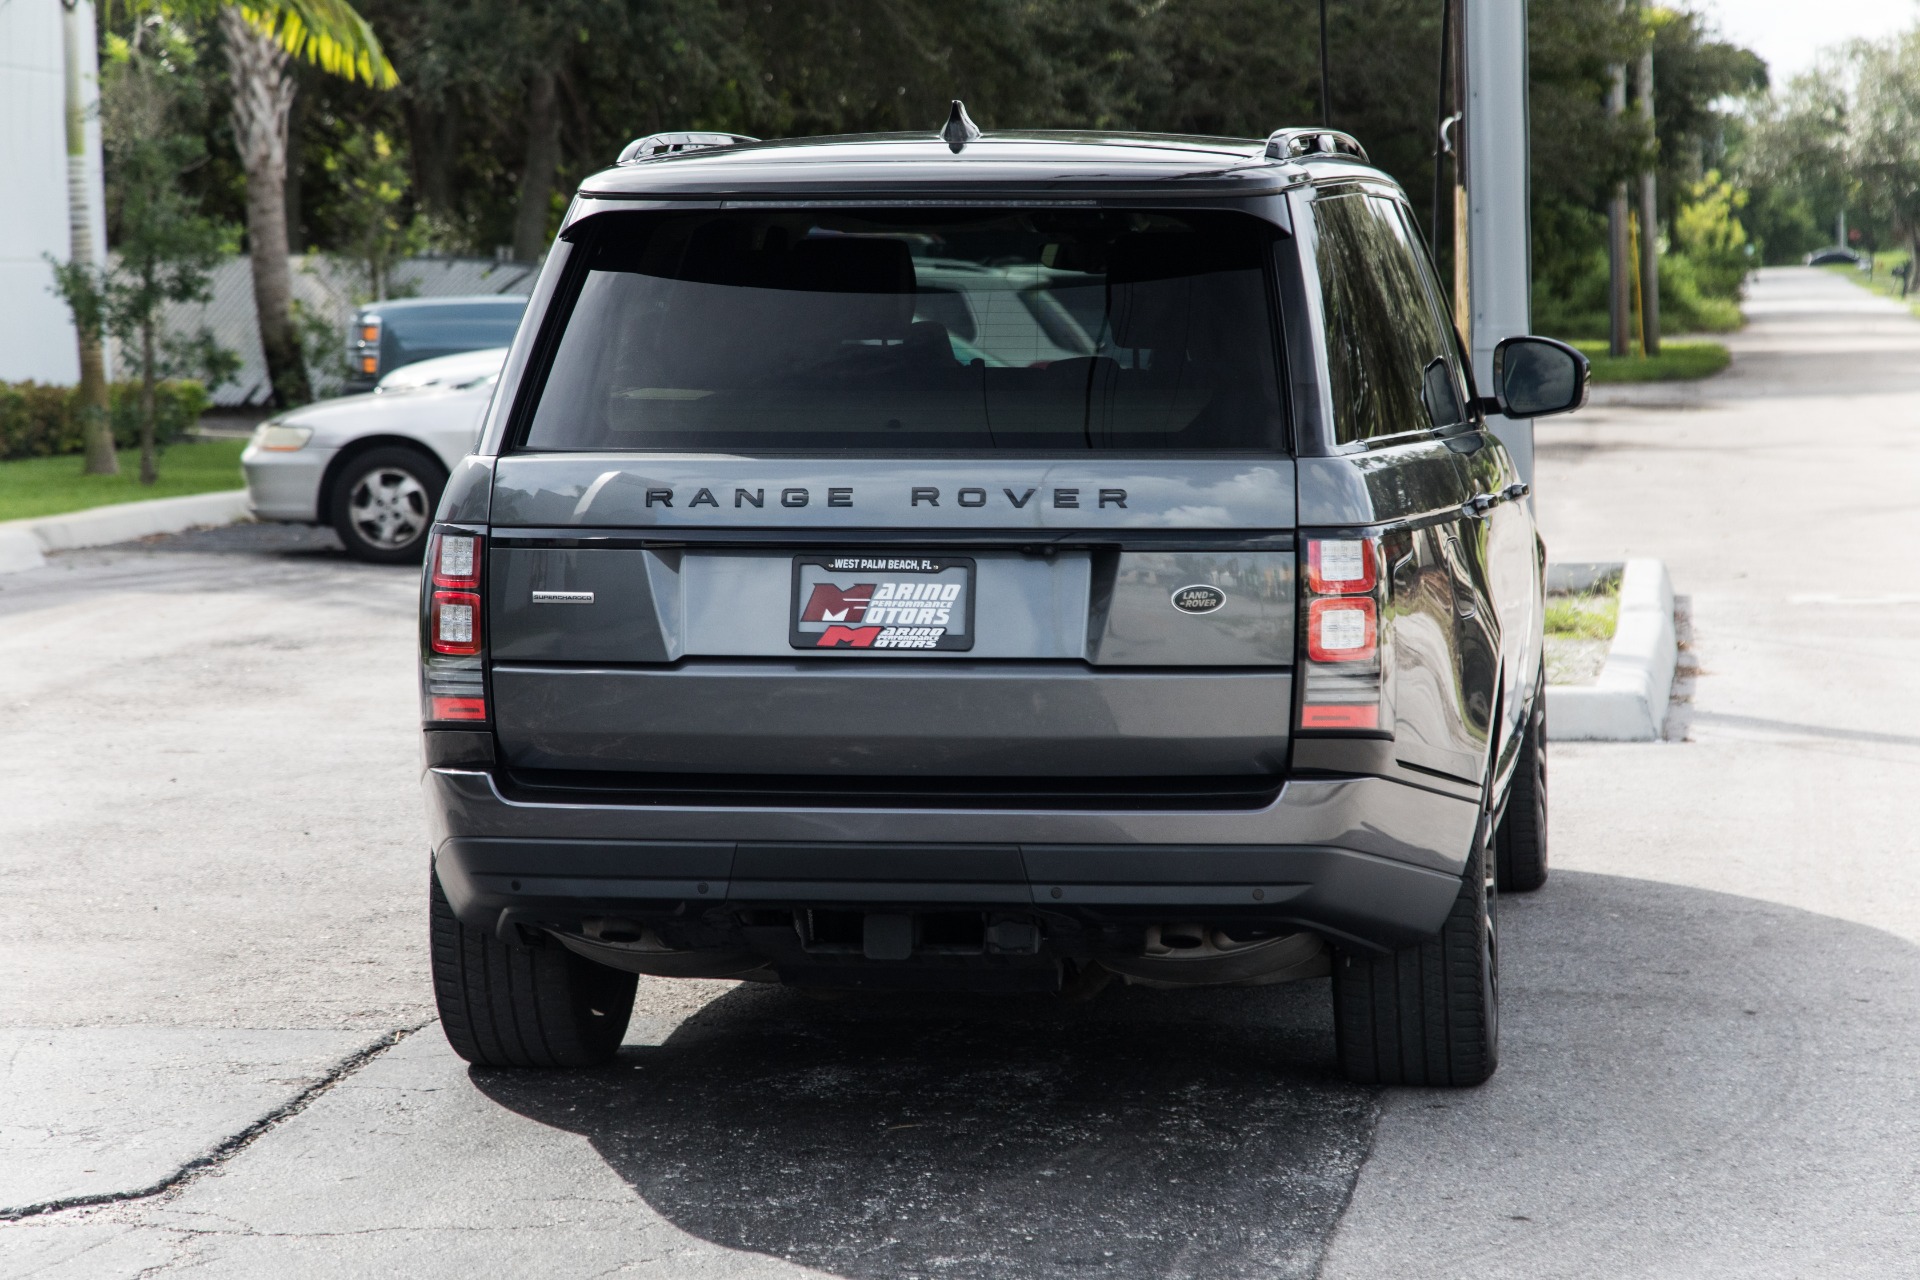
x=457, y=327
x=903, y=331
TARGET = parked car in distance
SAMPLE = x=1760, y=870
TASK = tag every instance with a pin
x=393, y=334
x=933, y=562
x=373, y=466
x=1828, y=257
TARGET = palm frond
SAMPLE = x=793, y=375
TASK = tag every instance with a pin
x=331, y=34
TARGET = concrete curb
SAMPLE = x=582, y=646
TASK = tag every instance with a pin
x=24, y=543
x=1628, y=701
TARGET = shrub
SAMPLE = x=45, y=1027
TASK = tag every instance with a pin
x=39, y=421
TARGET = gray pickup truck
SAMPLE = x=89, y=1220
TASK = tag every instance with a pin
x=996, y=563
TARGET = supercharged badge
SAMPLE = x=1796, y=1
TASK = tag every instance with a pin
x=869, y=601
x=1198, y=598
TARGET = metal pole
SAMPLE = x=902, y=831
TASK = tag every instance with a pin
x=1500, y=262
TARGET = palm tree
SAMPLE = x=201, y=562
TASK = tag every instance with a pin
x=262, y=38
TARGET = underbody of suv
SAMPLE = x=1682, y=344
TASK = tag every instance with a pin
x=1001, y=566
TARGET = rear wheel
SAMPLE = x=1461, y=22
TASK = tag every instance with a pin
x=506, y=1006
x=1428, y=1014
x=383, y=504
x=1520, y=845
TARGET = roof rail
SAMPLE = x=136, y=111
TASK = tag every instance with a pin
x=666, y=144
x=1291, y=144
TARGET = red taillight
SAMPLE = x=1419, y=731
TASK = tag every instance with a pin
x=455, y=619
x=458, y=708
x=1342, y=629
x=456, y=560
x=1334, y=716
x=1343, y=677
x=1341, y=566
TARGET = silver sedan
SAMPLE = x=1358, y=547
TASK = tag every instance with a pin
x=373, y=465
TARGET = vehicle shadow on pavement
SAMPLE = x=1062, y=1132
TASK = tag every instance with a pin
x=1146, y=1133
x=1647, y=1028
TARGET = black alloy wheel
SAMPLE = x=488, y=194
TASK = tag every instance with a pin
x=1428, y=1014
x=383, y=504
x=538, y=1006
x=1520, y=845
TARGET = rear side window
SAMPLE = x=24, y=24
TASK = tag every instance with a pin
x=1388, y=354
x=903, y=331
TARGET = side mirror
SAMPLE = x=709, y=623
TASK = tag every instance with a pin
x=1538, y=377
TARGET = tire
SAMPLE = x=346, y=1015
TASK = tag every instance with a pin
x=383, y=503
x=504, y=1006
x=1428, y=1014
x=1520, y=845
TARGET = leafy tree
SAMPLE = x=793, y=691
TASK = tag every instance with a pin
x=165, y=248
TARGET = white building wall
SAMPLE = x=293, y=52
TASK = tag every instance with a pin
x=36, y=333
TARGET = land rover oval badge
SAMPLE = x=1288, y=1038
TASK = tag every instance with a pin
x=1198, y=598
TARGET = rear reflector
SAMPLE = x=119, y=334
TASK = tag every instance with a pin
x=1341, y=629
x=1340, y=717
x=455, y=619
x=458, y=708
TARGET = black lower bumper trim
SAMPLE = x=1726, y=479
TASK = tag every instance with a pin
x=1355, y=897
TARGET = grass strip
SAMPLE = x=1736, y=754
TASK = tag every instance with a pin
x=51, y=486
x=1677, y=362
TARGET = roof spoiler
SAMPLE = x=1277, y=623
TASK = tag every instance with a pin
x=666, y=144
x=1292, y=144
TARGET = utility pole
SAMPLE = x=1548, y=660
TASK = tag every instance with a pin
x=1499, y=229
x=1649, y=216
x=95, y=430
x=1619, y=245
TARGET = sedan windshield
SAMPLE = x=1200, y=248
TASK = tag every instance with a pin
x=884, y=331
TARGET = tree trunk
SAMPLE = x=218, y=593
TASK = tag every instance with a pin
x=296, y=216
x=149, y=470
x=537, y=173
x=262, y=97
x=96, y=428
x=1649, y=219
x=435, y=136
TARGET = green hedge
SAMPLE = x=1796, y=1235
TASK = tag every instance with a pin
x=39, y=421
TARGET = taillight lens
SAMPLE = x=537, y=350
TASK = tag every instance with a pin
x=456, y=560
x=1342, y=566
x=369, y=333
x=369, y=364
x=455, y=619
x=1343, y=674
x=453, y=622
x=1343, y=629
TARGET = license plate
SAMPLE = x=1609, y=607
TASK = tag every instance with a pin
x=866, y=601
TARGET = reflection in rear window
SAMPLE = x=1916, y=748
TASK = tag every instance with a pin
x=899, y=331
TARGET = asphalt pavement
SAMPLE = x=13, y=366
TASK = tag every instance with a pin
x=219, y=1056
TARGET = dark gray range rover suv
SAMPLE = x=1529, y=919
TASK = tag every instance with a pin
x=993, y=563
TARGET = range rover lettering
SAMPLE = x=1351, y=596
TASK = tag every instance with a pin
x=1005, y=563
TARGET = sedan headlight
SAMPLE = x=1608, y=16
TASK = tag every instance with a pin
x=276, y=438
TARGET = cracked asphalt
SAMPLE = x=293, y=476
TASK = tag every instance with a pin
x=216, y=1035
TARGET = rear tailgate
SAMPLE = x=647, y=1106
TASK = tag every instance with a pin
x=725, y=616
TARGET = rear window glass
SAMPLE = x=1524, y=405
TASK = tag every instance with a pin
x=458, y=327
x=877, y=331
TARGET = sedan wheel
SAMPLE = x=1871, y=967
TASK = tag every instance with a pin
x=384, y=505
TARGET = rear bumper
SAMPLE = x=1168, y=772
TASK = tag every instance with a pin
x=1363, y=860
